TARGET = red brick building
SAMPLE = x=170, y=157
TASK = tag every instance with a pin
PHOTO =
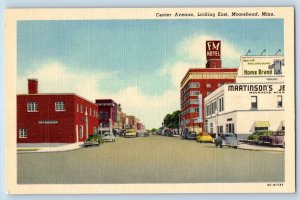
x=202, y=81
x=108, y=110
x=54, y=118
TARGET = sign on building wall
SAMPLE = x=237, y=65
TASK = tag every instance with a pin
x=213, y=49
x=261, y=66
x=200, y=119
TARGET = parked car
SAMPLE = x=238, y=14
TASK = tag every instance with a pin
x=254, y=136
x=130, y=133
x=204, y=137
x=169, y=133
x=159, y=131
x=118, y=132
x=109, y=137
x=147, y=134
x=140, y=134
x=94, y=139
x=274, y=139
x=189, y=135
x=227, y=139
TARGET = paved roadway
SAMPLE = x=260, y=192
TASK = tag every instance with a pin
x=154, y=159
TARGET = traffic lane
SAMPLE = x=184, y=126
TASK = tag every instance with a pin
x=154, y=159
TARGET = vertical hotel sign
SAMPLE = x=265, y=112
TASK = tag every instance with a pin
x=200, y=120
x=213, y=49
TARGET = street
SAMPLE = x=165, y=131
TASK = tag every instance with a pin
x=154, y=159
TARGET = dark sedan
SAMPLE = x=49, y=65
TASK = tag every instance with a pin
x=189, y=135
x=274, y=139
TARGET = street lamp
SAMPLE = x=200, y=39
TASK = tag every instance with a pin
x=216, y=113
x=101, y=129
x=86, y=123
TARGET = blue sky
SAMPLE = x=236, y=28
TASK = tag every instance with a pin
x=138, y=63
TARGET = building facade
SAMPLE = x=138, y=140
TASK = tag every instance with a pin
x=254, y=102
x=200, y=82
x=108, y=110
x=54, y=118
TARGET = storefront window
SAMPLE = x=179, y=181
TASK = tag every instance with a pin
x=279, y=101
x=253, y=102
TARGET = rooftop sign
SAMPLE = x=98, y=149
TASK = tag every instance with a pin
x=213, y=49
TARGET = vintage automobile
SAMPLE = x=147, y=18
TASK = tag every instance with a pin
x=130, y=133
x=94, y=139
x=204, y=137
x=168, y=133
x=109, y=137
x=253, y=138
x=189, y=135
x=273, y=139
x=227, y=139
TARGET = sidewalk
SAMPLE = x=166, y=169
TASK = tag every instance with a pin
x=47, y=147
x=259, y=147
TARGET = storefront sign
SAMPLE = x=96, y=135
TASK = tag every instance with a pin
x=200, y=119
x=257, y=88
x=213, y=49
x=48, y=122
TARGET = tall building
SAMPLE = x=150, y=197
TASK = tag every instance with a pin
x=54, y=118
x=200, y=82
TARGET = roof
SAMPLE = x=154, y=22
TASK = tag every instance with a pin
x=207, y=70
x=53, y=94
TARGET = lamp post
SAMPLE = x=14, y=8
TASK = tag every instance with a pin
x=101, y=129
x=110, y=125
x=216, y=113
x=86, y=123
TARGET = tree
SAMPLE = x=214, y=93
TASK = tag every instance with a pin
x=172, y=120
x=153, y=130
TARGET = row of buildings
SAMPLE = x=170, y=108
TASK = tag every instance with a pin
x=240, y=100
x=66, y=117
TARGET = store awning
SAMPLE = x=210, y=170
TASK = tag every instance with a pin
x=262, y=124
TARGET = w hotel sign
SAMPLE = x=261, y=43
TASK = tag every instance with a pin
x=213, y=49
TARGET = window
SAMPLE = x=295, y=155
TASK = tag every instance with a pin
x=192, y=110
x=211, y=128
x=106, y=116
x=194, y=93
x=22, y=133
x=194, y=85
x=60, y=106
x=90, y=111
x=220, y=129
x=81, y=132
x=77, y=107
x=194, y=101
x=221, y=104
x=101, y=116
x=32, y=107
x=279, y=101
x=253, y=102
x=208, y=85
x=230, y=128
x=81, y=108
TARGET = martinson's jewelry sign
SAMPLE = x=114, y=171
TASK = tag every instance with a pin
x=257, y=88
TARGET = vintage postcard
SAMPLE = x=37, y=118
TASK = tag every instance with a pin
x=150, y=100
